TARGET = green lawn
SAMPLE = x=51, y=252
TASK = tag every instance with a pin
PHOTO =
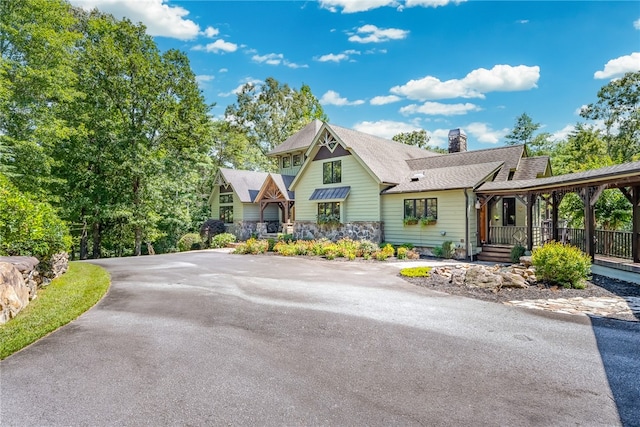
x=66, y=298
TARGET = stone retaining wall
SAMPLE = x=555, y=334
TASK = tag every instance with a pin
x=357, y=230
x=20, y=278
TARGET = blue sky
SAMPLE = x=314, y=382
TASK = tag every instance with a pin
x=389, y=66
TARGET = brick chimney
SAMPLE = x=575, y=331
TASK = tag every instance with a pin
x=457, y=141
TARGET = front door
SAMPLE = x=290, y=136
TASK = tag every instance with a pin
x=508, y=211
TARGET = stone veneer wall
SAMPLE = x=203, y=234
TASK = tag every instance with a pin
x=357, y=230
x=244, y=230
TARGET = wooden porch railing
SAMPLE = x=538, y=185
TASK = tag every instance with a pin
x=608, y=243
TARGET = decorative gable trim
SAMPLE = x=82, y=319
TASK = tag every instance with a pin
x=324, y=153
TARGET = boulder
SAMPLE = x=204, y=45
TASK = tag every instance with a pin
x=513, y=280
x=14, y=293
x=526, y=261
x=479, y=277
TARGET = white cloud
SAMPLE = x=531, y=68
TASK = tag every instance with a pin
x=384, y=128
x=238, y=89
x=330, y=57
x=372, y=34
x=522, y=21
x=275, y=59
x=211, y=32
x=333, y=98
x=563, y=133
x=437, y=108
x=636, y=24
x=383, y=100
x=619, y=66
x=483, y=133
x=353, y=6
x=223, y=70
x=217, y=46
x=202, y=79
x=501, y=78
x=160, y=18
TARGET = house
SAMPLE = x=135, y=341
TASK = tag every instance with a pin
x=336, y=182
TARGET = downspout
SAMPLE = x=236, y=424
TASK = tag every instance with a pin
x=466, y=229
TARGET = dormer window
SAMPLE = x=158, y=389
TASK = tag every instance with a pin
x=297, y=159
x=511, y=174
x=286, y=162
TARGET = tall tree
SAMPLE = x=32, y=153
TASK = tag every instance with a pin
x=618, y=105
x=523, y=130
x=419, y=138
x=271, y=112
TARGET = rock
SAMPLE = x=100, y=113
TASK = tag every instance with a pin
x=526, y=261
x=457, y=276
x=479, y=277
x=14, y=293
x=22, y=263
x=513, y=280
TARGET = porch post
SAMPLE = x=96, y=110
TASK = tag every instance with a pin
x=635, y=243
x=262, y=206
x=555, y=202
x=530, y=198
x=589, y=222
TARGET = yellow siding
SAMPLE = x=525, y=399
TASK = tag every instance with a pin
x=362, y=204
x=215, y=205
x=451, y=220
x=251, y=212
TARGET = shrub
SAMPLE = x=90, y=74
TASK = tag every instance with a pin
x=28, y=227
x=366, y=248
x=190, y=241
x=516, y=252
x=561, y=264
x=222, y=240
x=252, y=246
x=446, y=251
x=416, y=272
x=386, y=252
x=402, y=252
x=211, y=228
x=271, y=244
x=411, y=254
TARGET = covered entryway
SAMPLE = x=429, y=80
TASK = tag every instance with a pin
x=589, y=185
x=274, y=191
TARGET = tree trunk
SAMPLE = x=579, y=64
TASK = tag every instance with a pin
x=97, y=241
x=84, y=250
x=138, y=244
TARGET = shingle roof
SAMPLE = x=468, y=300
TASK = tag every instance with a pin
x=628, y=170
x=246, y=184
x=300, y=140
x=283, y=182
x=446, y=178
x=509, y=155
x=531, y=167
x=385, y=158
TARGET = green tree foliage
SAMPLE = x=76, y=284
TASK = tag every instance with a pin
x=419, y=138
x=618, y=105
x=271, y=112
x=523, y=130
x=28, y=227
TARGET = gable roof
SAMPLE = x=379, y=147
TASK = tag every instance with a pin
x=385, y=158
x=300, y=140
x=446, y=178
x=246, y=184
x=628, y=173
x=532, y=167
x=510, y=157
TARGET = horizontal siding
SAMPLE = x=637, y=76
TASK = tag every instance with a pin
x=363, y=202
x=252, y=212
x=451, y=220
x=215, y=205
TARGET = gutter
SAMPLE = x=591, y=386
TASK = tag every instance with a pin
x=466, y=229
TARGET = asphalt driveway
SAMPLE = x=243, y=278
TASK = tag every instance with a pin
x=207, y=338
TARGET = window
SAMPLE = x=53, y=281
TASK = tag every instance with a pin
x=226, y=198
x=328, y=212
x=508, y=211
x=226, y=214
x=297, y=159
x=332, y=172
x=421, y=208
x=286, y=162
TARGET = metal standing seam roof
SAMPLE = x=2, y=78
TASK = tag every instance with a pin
x=332, y=193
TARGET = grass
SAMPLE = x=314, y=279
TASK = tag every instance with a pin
x=57, y=304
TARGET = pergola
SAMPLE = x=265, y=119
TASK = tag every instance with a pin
x=589, y=185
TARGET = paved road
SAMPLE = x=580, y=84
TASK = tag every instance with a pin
x=207, y=338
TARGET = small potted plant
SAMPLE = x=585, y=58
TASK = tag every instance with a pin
x=410, y=220
x=427, y=220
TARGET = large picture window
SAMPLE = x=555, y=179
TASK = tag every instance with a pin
x=226, y=198
x=328, y=212
x=421, y=208
x=226, y=214
x=332, y=172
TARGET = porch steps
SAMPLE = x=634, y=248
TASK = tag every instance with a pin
x=496, y=253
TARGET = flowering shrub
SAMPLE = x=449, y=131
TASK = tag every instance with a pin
x=252, y=246
x=561, y=264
